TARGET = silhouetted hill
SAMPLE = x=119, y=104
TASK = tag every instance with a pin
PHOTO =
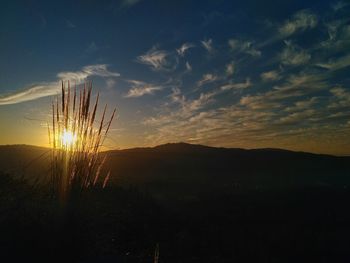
x=199, y=203
x=190, y=169
x=182, y=169
x=23, y=159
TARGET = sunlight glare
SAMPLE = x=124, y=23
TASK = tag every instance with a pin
x=68, y=138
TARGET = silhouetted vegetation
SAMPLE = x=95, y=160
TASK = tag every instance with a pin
x=198, y=204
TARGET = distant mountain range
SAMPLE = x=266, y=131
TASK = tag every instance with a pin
x=190, y=169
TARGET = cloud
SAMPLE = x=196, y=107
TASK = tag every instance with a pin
x=244, y=47
x=302, y=105
x=177, y=97
x=182, y=50
x=45, y=89
x=31, y=93
x=339, y=5
x=140, y=88
x=92, y=70
x=207, y=78
x=300, y=21
x=297, y=117
x=270, y=76
x=188, y=66
x=338, y=36
x=230, y=68
x=295, y=86
x=341, y=98
x=335, y=64
x=332, y=29
x=294, y=55
x=259, y=102
x=194, y=122
x=158, y=60
x=194, y=105
x=110, y=83
x=208, y=45
x=255, y=121
x=340, y=93
x=242, y=85
x=187, y=108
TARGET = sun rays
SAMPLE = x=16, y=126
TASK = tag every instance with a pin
x=76, y=138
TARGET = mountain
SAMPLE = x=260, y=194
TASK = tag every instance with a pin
x=23, y=159
x=199, y=203
x=196, y=168
x=180, y=169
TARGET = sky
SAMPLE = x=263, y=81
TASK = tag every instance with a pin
x=245, y=74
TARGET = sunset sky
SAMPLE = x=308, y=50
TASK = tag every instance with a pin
x=248, y=74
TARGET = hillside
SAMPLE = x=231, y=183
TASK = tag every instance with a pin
x=182, y=169
x=200, y=204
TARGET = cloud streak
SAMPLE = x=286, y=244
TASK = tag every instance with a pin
x=242, y=85
x=207, y=78
x=31, y=93
x=208, y=45
x=271, y=75
x=300, y=21
x=182, y=50
x=140, y=88
x=244, y=47
x=159, y=60
x=294, y=55
x=45, y=89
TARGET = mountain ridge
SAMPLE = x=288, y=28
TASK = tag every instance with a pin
x=182, y=146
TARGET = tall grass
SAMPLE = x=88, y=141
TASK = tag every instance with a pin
x=76, y=138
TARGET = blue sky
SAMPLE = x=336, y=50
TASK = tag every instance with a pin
x=246, y=74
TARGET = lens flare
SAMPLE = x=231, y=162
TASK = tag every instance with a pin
x=68, y=138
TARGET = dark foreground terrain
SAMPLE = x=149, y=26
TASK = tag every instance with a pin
x=199, y=204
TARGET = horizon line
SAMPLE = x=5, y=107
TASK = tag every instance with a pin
x=202, y=145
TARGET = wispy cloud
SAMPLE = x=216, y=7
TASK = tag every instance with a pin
x=31, y=93
x=230, y=68
x=295, y=86
x=177, y=96
x=242, y=85
x=140, y=88
x=158, y=60
x=188, y=66
x=294, y=55
x=339, y=5
x=92, y=70
x=302, y=104
x=110, y=83
x=182, y=50
x=285, y=113
x=243, y=46
x=207, y=78
x=297, y=117
x=45, y=89
x=208, y=45
x=271, y=75
x=187, y=108
x=335, y=64
x=300, y=21
x=341, y=98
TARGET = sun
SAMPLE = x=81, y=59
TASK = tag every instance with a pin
x=68, y=138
